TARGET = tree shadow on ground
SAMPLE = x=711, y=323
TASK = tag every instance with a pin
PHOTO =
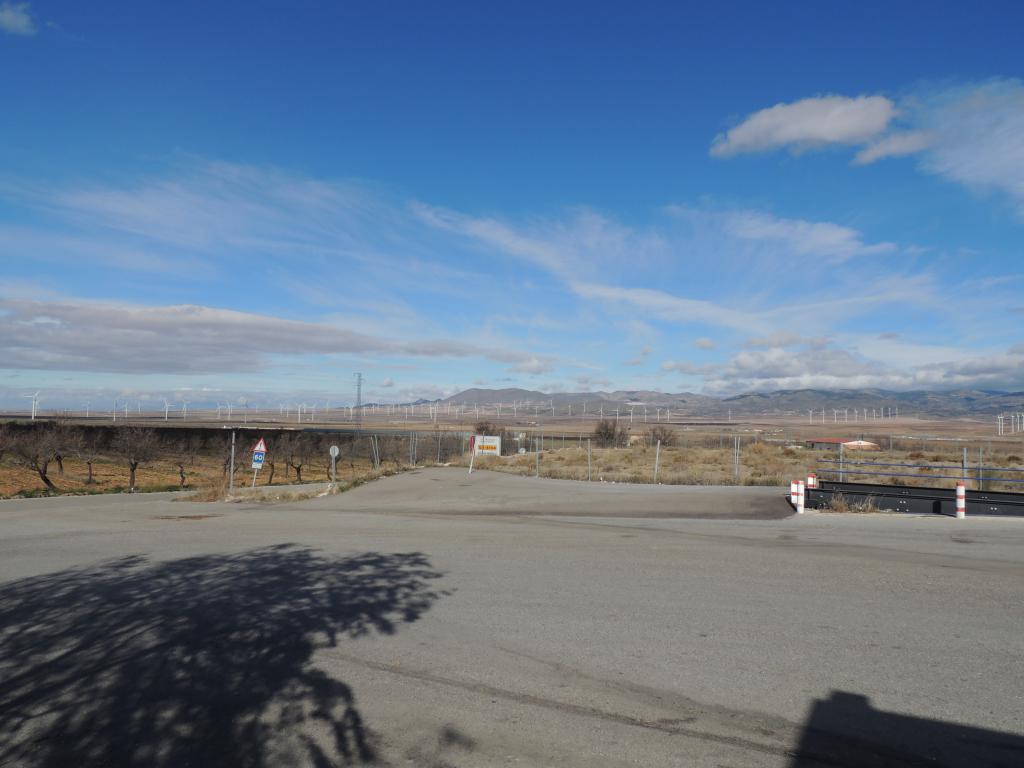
x=204, y=661
x=845, y=731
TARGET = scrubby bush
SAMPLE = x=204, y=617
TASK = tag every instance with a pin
x=666, y=435
x=608, y=435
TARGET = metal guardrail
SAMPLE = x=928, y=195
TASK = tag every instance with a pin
x=896, y=498
x=841, y=468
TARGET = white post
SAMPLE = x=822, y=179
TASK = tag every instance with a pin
x=961, y=500
x=589, y=470
x=800, y=497
x=657, y=460
x=792, y=492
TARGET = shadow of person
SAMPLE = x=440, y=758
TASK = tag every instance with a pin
x=845, y=731
x=204, y=661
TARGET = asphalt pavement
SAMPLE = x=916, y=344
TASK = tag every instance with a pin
x=440, y=619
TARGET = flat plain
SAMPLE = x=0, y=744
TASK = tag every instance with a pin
x=439, y=618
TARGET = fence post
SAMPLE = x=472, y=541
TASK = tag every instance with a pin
x=961, y=500
x=589, y=473
x=538, y=463
x=981, y=470
x=842, y=474
x=231, y=477
x=657, y=460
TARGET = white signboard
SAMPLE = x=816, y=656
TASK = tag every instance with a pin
x=486, y=445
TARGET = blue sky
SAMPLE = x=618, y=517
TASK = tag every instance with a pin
x=257, y=200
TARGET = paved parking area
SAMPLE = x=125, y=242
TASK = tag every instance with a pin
x=442, y=619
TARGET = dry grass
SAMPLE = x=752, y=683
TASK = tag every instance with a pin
x=763, y=464
x=697, y=458
x=863, y=506
x=206, y=478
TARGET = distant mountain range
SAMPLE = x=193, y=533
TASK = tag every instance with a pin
x=787, y=402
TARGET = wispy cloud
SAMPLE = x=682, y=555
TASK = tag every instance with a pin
x=972, y=134
x=978, y=136
x=838, y=367
x=97, y=336
x=665, y=306
x=895, y=145
x=800, y=237
x=16, y=19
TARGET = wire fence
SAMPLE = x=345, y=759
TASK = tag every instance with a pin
x=984, y=477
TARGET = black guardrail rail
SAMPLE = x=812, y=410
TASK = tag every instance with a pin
x=920, y=501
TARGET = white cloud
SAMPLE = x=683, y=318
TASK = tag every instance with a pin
x=807, y=124
x=584, y=240
x=978, y=136
x=665, y=306
x=972, y=134
x=704, y=342
x=895, y=145
x=15, y=19
x=817, y=238
x=839, y=367
x=387, y=383
x=824, y=311
x=96, y=336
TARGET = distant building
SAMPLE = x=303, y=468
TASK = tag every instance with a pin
x=833, y=443
x=860, y=445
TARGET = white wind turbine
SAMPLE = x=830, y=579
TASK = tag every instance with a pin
x=35, y=404
x=167, y=408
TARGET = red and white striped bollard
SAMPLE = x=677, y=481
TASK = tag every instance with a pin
x=961, y=500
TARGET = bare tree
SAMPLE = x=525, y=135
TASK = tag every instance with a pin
x=136, y=445
x=66, y=439
x=35, y=448
x=6, y=440
x=666, y=435
x=87, y=449
x=280, y=449
x=187, y=450
x=300, y=455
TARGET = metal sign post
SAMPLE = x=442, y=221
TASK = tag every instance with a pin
x=259, y=455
